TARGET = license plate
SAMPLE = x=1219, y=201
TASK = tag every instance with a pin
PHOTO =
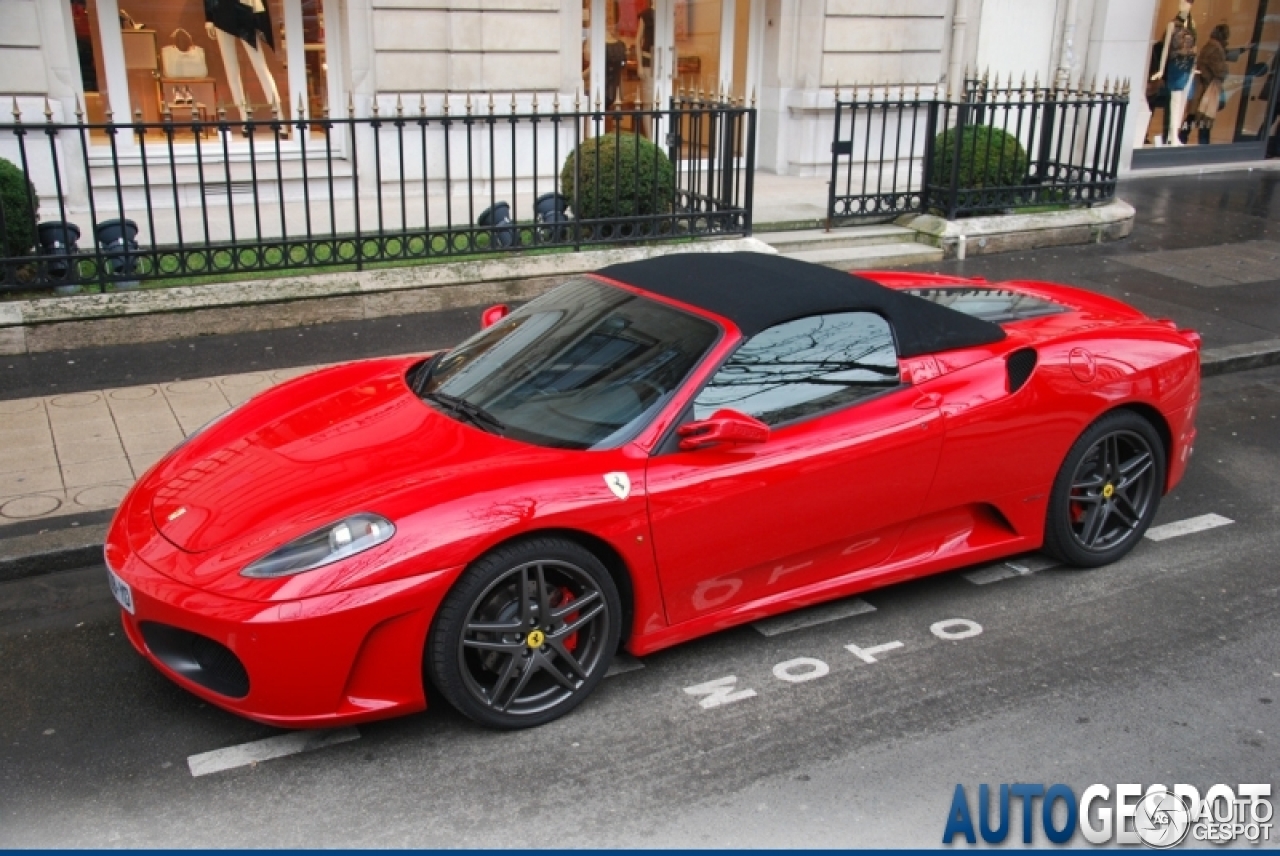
x=121, y=590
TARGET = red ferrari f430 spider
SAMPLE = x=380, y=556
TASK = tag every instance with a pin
x=641, y=456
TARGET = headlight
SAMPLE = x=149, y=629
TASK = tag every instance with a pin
x=348, y=536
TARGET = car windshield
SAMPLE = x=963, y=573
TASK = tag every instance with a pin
x=585, y=366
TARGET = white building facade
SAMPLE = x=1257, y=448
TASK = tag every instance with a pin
x=150, y=58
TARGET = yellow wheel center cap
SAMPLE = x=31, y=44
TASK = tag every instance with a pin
x=535, y=639
x=1108, y=491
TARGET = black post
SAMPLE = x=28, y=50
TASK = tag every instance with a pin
x=962, y=125
x=749, y=190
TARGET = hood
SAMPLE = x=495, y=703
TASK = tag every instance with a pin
x=307, y=453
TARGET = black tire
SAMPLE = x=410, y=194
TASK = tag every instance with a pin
x=1106, y=492
x=483, y=655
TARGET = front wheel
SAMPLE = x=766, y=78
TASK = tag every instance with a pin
x=1107, y=491
x=526, y=633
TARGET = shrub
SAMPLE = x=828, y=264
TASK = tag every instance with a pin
x=989, y=157
x=16, y=194
x=621, y=175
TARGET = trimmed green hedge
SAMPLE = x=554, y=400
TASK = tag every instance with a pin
x=639, y=172
x=988, y=158
x=16, y=194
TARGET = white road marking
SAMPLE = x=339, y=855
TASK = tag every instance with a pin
x=813, y=616
x=867, y=655
x=264, y=750
x=623, y=663
x=964, y=628
x=719, y=692
x=1188, y=526
x=800, y=669
x=1022, y=566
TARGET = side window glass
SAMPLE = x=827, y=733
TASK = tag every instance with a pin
x=804, y=367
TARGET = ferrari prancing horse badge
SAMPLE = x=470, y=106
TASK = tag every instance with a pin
x=619, y=484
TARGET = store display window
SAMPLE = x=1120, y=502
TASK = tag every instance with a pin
x=1211, y=74
x=203, y=59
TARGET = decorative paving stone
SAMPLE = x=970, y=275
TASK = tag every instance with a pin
x=20, y=405
x=101, y=496
x=244, y=380
x=26, y=507
x=79, y=399
x=186, y=387
x=132, y=393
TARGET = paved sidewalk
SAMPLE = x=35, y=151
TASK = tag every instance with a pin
x=64, y=455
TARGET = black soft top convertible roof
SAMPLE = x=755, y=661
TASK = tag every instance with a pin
x=759, y=290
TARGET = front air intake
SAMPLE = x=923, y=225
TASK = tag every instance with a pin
x=1020, y=365
x=197, y=658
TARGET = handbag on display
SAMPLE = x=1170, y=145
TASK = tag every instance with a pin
x=183, y=64
x=1213, y=100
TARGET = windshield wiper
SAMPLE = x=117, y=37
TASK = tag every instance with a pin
x=473, y=413
x=425, y=371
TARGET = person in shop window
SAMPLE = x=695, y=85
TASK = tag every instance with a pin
x=1211, y=65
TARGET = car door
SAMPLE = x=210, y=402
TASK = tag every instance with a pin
x=849, y=461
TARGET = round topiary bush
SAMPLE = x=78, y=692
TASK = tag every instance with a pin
x=16, y=194
x=989, y=157
x=618, y=175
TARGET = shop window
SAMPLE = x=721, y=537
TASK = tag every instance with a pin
x=1214, y=64
x=201, y=61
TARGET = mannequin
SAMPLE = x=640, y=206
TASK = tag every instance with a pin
x=245, y=21
x=644, y=57
x=1177, y=66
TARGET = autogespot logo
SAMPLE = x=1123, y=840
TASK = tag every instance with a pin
x=1158, y=817
x=1162, y=819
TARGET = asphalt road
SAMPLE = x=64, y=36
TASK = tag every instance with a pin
x=1164, y=667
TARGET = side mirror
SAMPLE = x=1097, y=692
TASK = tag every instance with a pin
x=493, y=315
x=724, y=426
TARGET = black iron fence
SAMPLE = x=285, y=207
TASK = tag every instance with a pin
x=899, y=150
x=113, y=204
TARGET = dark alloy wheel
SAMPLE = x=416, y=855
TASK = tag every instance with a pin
x=1107, y=491
x=526, y=633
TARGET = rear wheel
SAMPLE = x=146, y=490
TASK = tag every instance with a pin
x=526, y=633
x=1107, y=491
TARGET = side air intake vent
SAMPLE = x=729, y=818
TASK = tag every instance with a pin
x=1020, y=366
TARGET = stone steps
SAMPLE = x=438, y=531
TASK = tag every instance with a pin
x=819, y=239
x=857, y=248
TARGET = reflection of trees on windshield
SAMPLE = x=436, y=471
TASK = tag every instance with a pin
x=805, y=366
x=580, y=367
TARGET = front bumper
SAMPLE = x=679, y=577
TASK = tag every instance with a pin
x=335, y=659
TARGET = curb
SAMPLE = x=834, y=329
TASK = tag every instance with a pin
x=1239, y=358
x=69, y=549
x=50, y=552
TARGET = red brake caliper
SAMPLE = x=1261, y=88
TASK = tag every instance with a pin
x=571, y=641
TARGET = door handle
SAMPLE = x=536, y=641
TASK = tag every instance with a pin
x=928, y=401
